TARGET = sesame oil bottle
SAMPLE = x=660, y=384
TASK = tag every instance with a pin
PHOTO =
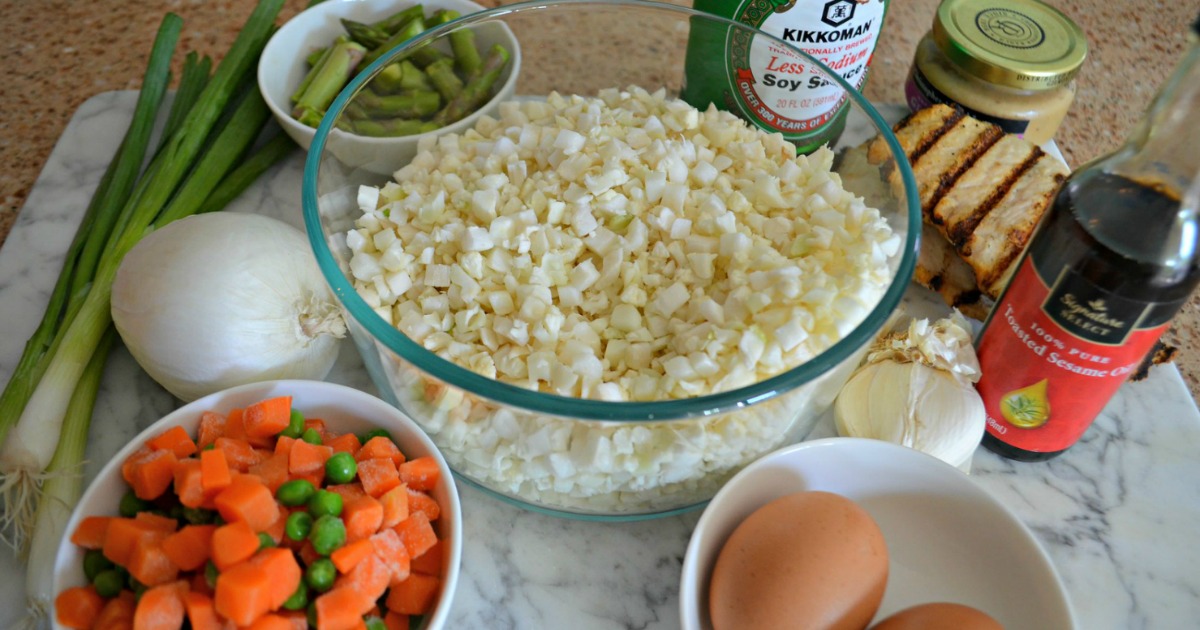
x=1113, y=260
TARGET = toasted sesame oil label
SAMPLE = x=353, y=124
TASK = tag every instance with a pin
x=1054, y=351
x=768, y=83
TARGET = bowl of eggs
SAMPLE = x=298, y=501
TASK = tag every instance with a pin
x=857, y=533
x=602, y=300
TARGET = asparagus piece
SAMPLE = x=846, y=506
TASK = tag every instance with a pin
x=411, y=29
x=441, y=74
x=477, y=90
x=309, y=116
x=364, y=34
x=330, y=78
x=414, y=104
x=240, y=178
x=393, y=22
x=356, y=111
x=388, y=127
x=315, y=67
x=462, y=42
x=426, y=56
x=316, y=56
x=388, y=79
x=414, y=78
x=442, y=16
x=402, y=75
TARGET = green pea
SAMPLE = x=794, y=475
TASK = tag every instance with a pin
x=265, y=541
x=198, y=516
x=311, y=436
x=109, y=583
x=312, y=614
x=210, y=574
x=209, y=447
x=374, y=433
x=324, y=502
x=137, y=587
x=320, y=574
x=298, y=525
x=130, y=505
x=341, y=468
x=295, y=492
x=298, y=599
x=176, y=512
x=375, y=623
x=295, y=426
x=328, y=533
x=94, y=562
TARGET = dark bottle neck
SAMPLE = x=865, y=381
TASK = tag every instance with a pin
x=1164, y=149
x=1163, y=154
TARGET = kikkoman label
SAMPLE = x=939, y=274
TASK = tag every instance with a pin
x=768, y=83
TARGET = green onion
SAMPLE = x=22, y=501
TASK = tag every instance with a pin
x=191, y=84
x=239, y=179
x=238, y=134
x=63, y=485
x=29, y=445
x=76, y=274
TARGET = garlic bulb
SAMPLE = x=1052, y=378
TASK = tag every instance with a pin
x=223, y=299
x=916, y=389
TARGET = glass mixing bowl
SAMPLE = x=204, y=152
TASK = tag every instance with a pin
x=590, y=458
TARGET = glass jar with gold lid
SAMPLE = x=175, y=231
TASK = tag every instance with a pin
x=1010, y=62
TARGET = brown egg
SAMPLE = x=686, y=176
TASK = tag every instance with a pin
x=812, y=560
x=939, y=616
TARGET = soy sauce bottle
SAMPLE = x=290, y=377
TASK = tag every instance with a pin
x=770, y=86
x=1114, y=259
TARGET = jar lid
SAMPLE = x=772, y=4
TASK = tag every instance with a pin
x=1022, y=44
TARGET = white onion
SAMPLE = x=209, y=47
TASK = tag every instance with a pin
x=218, y=300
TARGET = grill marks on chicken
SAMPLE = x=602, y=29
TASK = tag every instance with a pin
x=983, y=192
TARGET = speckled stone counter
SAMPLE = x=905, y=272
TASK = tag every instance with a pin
x=55, y=54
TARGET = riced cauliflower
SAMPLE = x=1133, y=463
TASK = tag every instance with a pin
x=624, y=247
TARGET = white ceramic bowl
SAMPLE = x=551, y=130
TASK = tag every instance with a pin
x=948, y=539
x=282, y=67
x=342, y=408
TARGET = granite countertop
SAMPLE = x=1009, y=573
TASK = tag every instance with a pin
x=52, y=65
x=1116, y=516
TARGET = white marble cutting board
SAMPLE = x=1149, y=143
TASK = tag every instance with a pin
x=1119, y=513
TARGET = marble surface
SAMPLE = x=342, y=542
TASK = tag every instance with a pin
x=50, y=66
x=1119, y=514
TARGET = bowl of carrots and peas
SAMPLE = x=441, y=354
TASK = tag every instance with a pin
x=431, y=77
x=272, y=505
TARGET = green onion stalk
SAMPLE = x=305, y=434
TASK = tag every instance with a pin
x=29, y=446
x=76, y=275
x=62, y=488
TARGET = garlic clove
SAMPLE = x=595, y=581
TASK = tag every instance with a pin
x=915, y=390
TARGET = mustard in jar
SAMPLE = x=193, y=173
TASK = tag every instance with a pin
x=1010, y=62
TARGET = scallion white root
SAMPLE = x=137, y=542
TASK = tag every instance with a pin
x=62, y=487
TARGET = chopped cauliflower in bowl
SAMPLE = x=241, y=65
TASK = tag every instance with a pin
x=605, y=305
